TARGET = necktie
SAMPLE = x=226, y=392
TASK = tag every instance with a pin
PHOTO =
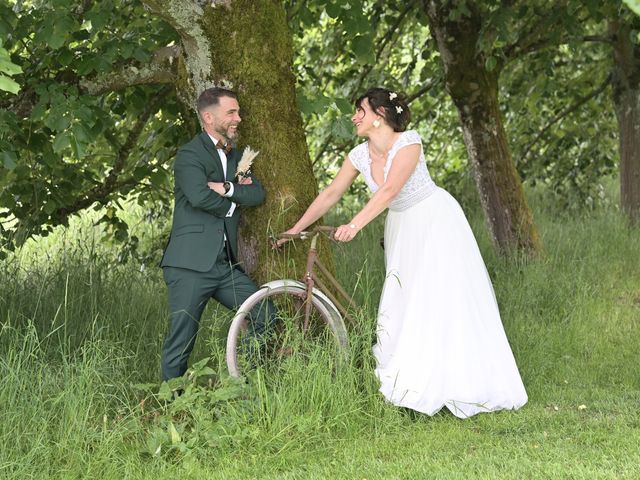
x=227, y=148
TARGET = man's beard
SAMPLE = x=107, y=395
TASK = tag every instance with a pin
x=224, y=132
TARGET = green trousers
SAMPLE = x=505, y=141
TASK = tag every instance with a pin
x=189, y=292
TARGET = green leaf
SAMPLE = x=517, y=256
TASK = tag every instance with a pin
x=310, y=106
x=154, y=444
x=65, y=57
x=56, y=38
x=82, y=133
x=141, y=172
x=126, y=50
x=57, y=120
x=356, y=22
x=6, y=66
x=165, y=392
x=490, y=63
x=175, y=436
x=97, y=18
x=333, y=10
x=85, y=114
x=61, y=142
x=102, y=65
x=158, y=177
x=9, y=159
x=141, y=55
x=50, y=207
x=7, y=23
x=342, y=128
x=227, y=393
x=363, y=48
x=8, y=85
x=344, y=105
x=304, y=104
x=321, y=103
x=62, y=27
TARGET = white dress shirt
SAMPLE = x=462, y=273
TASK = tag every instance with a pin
x=223, y=160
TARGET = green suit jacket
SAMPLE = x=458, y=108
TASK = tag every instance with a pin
x=199, y=215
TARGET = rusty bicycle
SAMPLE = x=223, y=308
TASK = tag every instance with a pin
x=316, y=314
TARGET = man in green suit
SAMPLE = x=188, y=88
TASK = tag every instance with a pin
x=200, y=260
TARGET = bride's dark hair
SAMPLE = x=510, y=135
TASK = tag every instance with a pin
x=396, y=110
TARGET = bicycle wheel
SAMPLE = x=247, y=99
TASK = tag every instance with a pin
x=327, y=333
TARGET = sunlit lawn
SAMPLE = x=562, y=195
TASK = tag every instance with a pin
x=78, y=334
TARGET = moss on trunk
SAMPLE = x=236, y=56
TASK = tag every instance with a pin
x=251, y=47
x=248, y=48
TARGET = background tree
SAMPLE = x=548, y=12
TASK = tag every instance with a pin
x=475, y=44
x=626, y=96
x=107, y=96
x=552, y=68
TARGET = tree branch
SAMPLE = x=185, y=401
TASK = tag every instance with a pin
x=597, y=38
x=536, y=37
x=386, y=38
x=428, y=86
x=161, y=70
x=581, y=101
x=185, y=17
x=111, y=184
x=323, y=149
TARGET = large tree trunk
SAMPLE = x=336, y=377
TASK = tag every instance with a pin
x=246, y=45
x=474, y=91
x=626, y=96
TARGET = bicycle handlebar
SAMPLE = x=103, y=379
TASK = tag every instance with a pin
x=327, y=230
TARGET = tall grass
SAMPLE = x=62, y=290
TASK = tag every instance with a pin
x=78, y=334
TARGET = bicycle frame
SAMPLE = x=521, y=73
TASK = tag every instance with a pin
x=311, y=279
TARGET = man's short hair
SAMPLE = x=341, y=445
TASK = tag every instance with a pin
x=211, y=97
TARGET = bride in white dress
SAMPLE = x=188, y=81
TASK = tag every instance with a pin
x=440, y=340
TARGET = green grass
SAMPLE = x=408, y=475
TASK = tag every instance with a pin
x=77, y=334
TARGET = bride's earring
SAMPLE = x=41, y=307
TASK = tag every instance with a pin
x=376, y=123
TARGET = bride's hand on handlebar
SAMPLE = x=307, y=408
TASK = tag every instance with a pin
x=346, y=233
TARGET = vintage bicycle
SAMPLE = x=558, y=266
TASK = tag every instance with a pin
x=317, y=314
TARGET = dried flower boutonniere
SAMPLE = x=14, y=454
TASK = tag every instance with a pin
x=244, y=165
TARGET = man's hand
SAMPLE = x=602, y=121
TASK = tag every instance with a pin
x=245, y=181
x=217, y=187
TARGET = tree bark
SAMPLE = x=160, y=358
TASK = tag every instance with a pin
x=626, y=97
x=474, y=90
x=246, y=45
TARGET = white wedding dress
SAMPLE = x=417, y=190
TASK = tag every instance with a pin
x=440, y=340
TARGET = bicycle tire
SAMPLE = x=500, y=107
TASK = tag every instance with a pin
x=321, y=303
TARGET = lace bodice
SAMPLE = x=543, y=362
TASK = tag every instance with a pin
x=418, y=186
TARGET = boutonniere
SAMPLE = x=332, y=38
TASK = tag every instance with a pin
x=244, y=165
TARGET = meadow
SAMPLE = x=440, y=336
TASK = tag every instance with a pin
x=80, y=339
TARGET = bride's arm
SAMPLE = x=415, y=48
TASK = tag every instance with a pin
x=403, y=166
x=328, y=197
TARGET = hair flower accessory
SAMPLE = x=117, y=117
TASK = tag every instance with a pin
x=399, y=109
x=392, y=95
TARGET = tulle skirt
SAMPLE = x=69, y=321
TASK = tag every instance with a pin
x=440, y=340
